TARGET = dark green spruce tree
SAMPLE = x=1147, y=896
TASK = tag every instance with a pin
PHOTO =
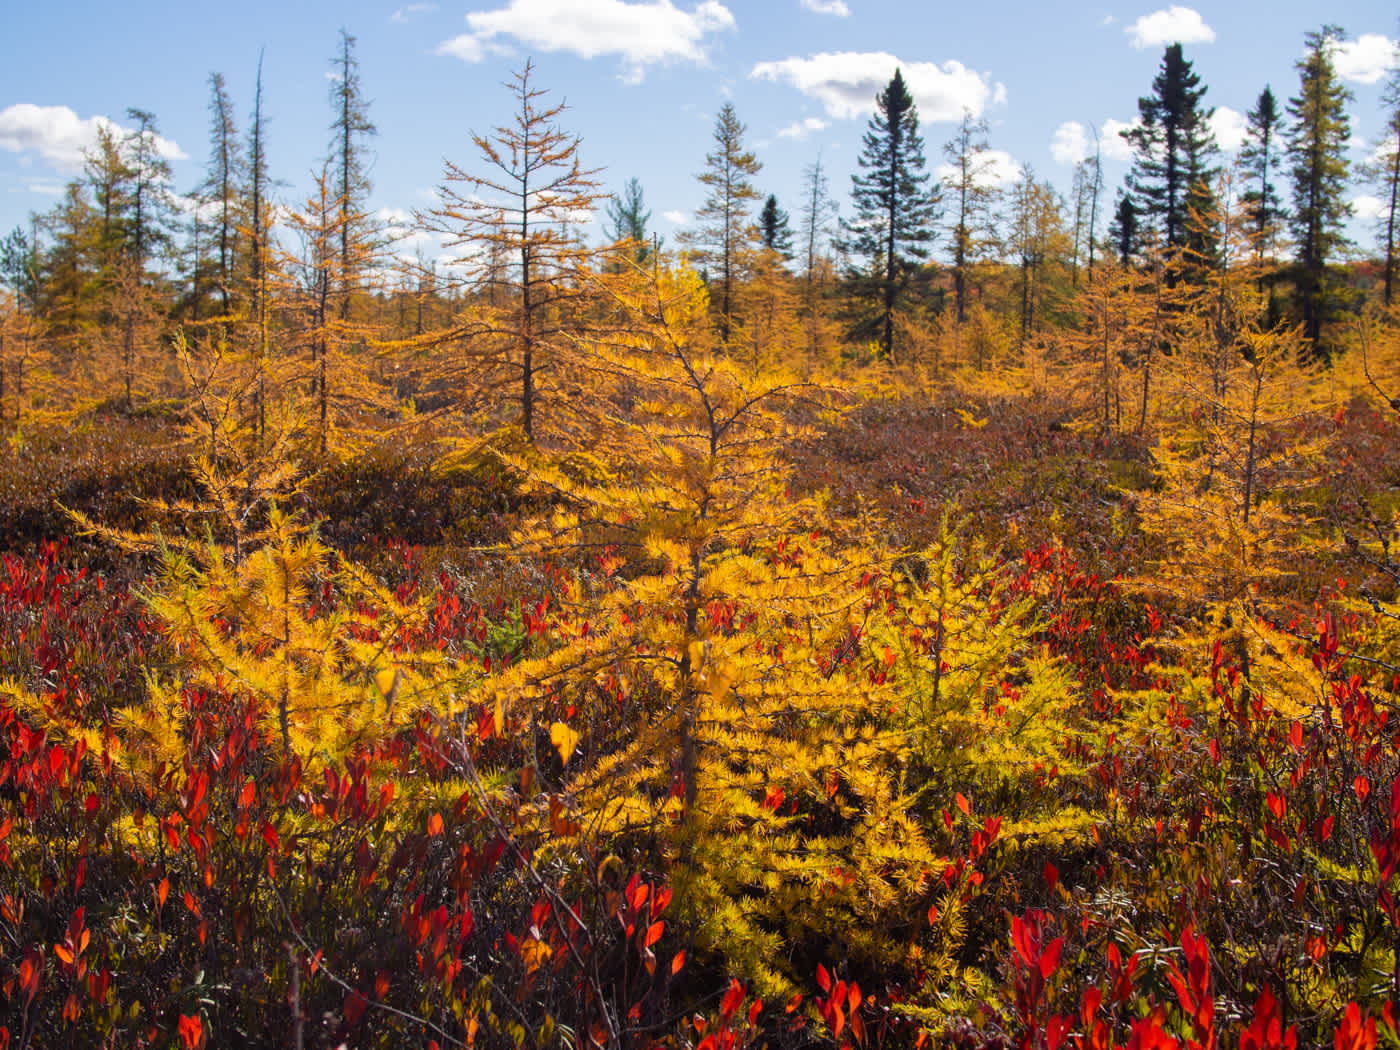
x=774, y=228
x=1172, y=152
x=628, y=216
x=1123, y=232
x=1259, y=163
x=1318, y=160
x=896, y=212
x=349, y=168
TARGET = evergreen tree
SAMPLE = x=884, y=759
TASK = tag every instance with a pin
x=222, y=188
x=1317, y=155
x=1259, y=161
x=19, y=266
x=968, y=158
x=774, y=229
x=350, y=168
x=628, y=216
x=150, y=206
x=1123, y=231
x=108, y=176
x=896, y=210
x=1172, y=147
x=724, y=234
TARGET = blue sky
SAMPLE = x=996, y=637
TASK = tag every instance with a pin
x=643, y=80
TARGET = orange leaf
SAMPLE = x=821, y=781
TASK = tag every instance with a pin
x=963, y=804
x=63, y=954
x=162, y=891
x=435, y=825
x=654, y=933
x=677, y=961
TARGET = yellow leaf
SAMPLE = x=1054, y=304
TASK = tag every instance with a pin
x=386, y=680
x=500, y=718
x=534, y=953
x=564, y=740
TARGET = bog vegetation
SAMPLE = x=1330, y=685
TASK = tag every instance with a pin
x=969, y=625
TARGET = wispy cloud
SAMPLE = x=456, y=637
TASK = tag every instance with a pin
x=802, y=128
x=403, y=14
x=995, y=167
x=828, y=7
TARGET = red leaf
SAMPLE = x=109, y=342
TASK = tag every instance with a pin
x=1050, y=959
x=677, y=961
x=1353, y=1033
x=732, y=999
x=654, y=933
x=191, y=1031
x=823, y=978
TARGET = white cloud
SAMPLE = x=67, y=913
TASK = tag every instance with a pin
x=1114, y=144
x=639, y=33
x=48, y=189
x=1108, y=20
x=466, y=47
x=1070, y=144
x=1171, y=25
x=1366, y=59
x=403, y=14
x=994, y=167
x=1229, y=127
x=1368, y=207
x=828, y=7
x=846, y=83
x=678, y=218
x=60, y=136
x=802, y=128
